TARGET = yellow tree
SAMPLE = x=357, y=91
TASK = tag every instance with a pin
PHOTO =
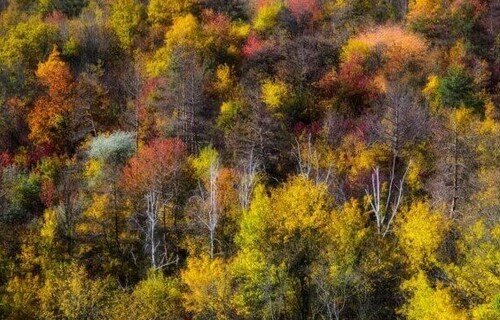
x=281, y=238
x=209, y=290
x=420, y=232
x=338, y=276
x=155, y=297
x=429, y=302
x=185, y=33
x=164, y=11
x=255, y=276
x=475, y=274
x=267, y=13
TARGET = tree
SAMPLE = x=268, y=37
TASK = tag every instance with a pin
x=69, y=293
x=26, y=43
x=71, y=8
x=453, y=183
x=304, y=11
x=458, y=89
x=421, y=232
x=208, y=281
x=425, y=15
x=266, y=16
x=51, y=118
x=372, y=59
x=260, y=289
x=186, y=83
x=94, y=112
x=206, y=203
x=427, y=302
x=474, y=274
x=114, y=149
x=155, y=297
x=153, y=178
x=20, y=194
x=126, y=19
x=274, y=94
x=183, y=37
x=297, y=231
x=106, y=215
x=164, y=12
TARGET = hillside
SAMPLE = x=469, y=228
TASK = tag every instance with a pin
x=250, y=159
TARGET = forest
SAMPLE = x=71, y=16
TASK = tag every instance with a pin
x=250, y=159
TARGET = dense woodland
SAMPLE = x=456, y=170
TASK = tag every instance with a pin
x=265, y=159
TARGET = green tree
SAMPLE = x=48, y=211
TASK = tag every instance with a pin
x=127, y=17
x=165, y=11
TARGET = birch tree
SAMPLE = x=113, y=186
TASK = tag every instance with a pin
x=206, y=208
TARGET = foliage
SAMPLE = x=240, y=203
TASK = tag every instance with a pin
x=27, y=42
x=184, y=33
x=457, y=89
x=156, y=297
x=126, y=19
x=267, y=15
x=420, y=232
x=154, y=164
x=164, y=12
x=208, y=286
x=274, y=94
x=115, y=148
x=71, y=8
x=51, y=118
x=427, y=302
x=234, y=159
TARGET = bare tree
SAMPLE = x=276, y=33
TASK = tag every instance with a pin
x=385, y=211
x=158, y=255
x=149, y=225
x=213, y=211
x=249, y=170
x=332, y=298
x=184, y=96
x=455, y=166
x=132, y=82
x=259, y=134
x=206, y=209
x=309, y=163
x=404, y=121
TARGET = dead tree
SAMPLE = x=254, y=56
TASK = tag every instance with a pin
x=308, y=162
x=206, y=209
x=249, y=172
x=185, y=96
x=403, y=124
x=385, y=211
x=156, y=250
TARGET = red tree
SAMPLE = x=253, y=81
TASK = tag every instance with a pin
x=155, y=167
x=304, y=10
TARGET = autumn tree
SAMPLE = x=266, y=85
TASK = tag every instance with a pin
x=71, y=8
x=164, y=12
x=104, y=219
x=51, y=118
x=155, y=297
x=126, y=19
x=207, y=212
x=209, y=291
x=154, y=179
x=371, y=59
x=303, y=232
